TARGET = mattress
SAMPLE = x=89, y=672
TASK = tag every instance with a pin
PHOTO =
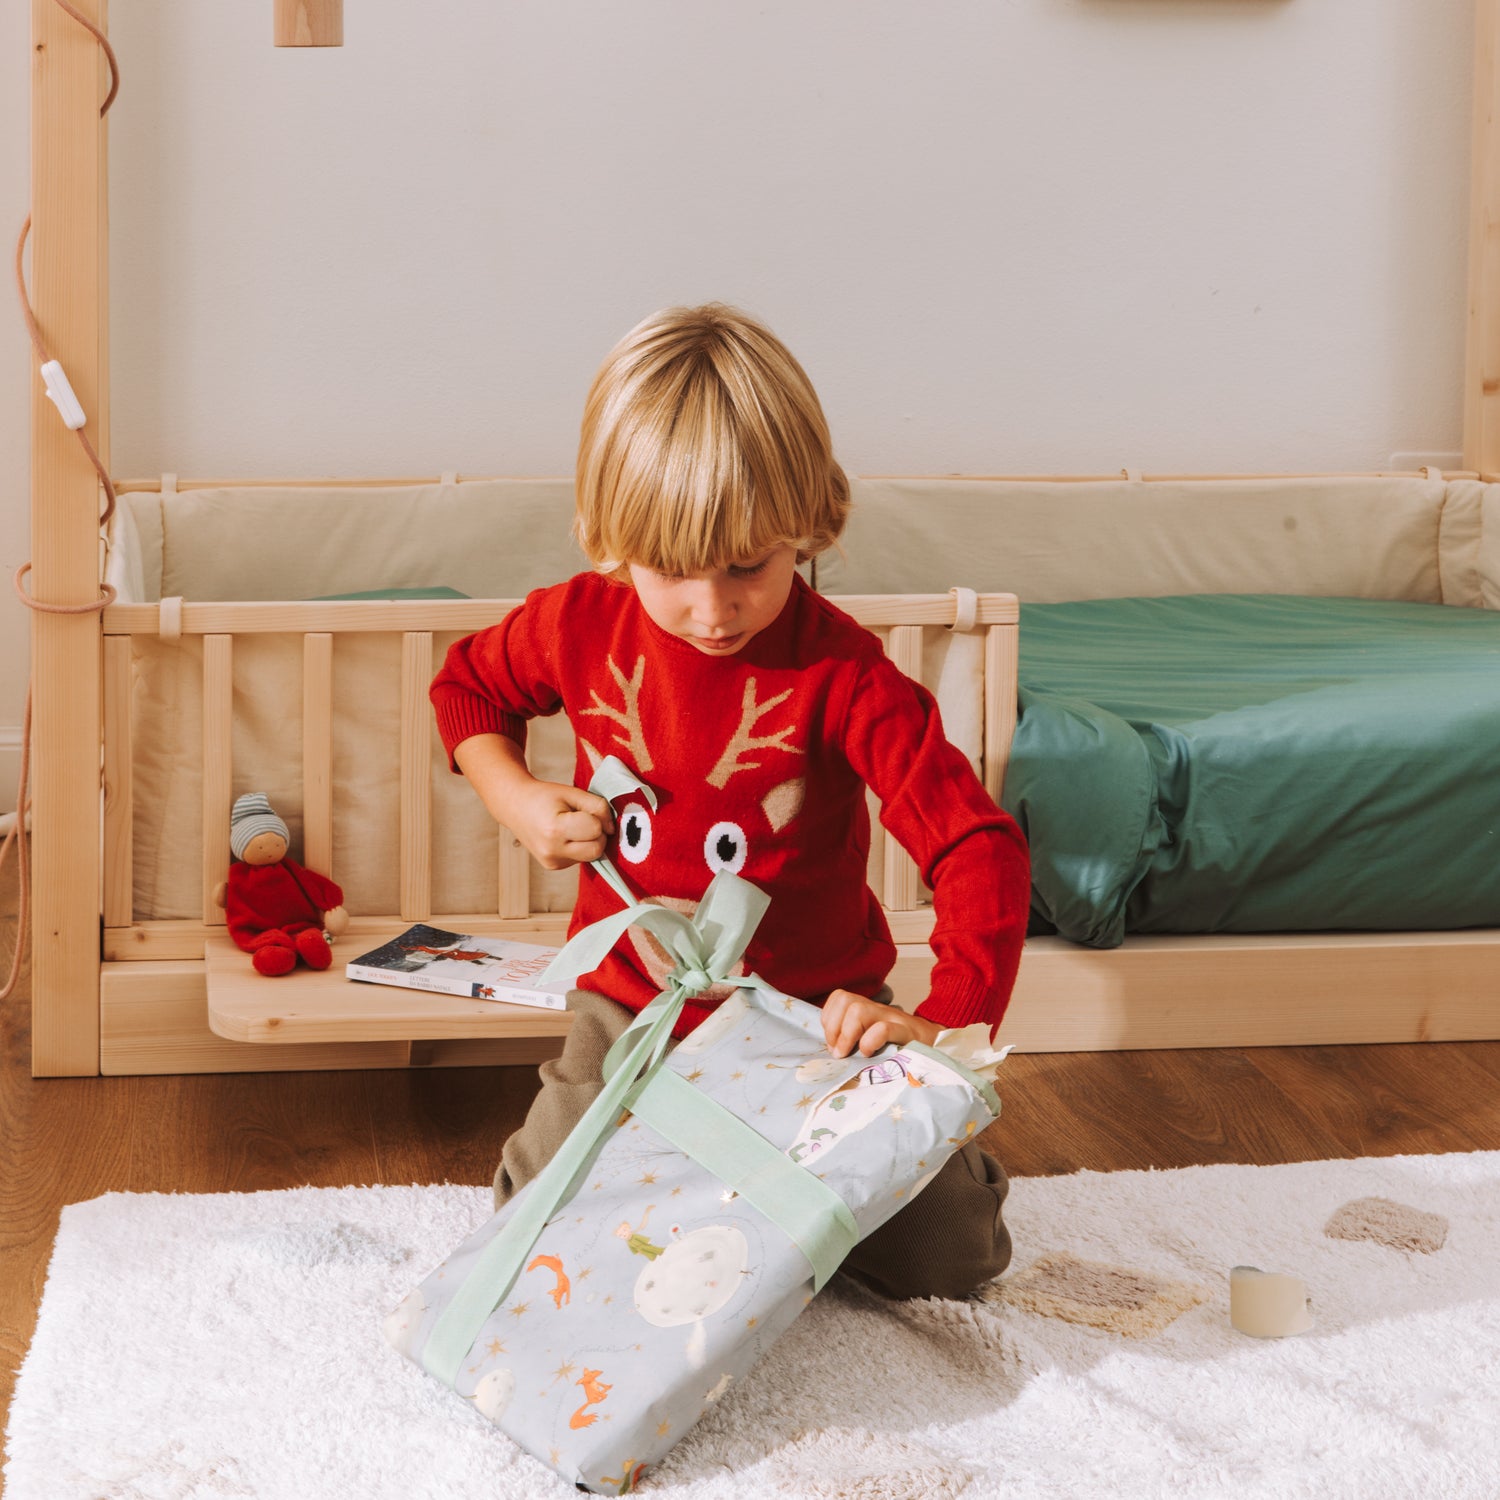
x=1258, y=763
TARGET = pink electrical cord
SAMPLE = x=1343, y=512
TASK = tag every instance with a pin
x=18, y=833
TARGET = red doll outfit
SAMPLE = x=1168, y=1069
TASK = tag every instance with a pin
x=760, y=763
x=275, y=913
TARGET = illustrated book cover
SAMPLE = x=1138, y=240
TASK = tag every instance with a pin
x=454, y=963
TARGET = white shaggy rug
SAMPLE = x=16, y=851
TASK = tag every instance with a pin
x=230, y=1345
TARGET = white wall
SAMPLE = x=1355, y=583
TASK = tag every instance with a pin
x=1045, y=235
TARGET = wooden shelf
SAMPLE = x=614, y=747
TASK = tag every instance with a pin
x=306, y=1006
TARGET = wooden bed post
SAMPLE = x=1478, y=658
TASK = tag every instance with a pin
x=69, y=280
x=1482, y=339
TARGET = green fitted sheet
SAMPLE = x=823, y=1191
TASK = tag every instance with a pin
x=1258, y=763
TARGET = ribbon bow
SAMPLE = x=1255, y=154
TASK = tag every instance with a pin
x=705, y=946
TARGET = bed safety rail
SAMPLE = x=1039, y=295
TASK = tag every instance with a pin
x=899, y=619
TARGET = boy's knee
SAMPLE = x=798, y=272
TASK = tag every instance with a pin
x=947, y=1243
x=505, y=1188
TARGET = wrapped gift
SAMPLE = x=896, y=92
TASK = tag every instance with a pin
x=697, y=1208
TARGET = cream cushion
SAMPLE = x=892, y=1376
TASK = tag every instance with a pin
x=1050, y=541
x=489, y=539
x=1469, y=545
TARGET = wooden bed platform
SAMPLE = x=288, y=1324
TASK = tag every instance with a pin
x=116, y=996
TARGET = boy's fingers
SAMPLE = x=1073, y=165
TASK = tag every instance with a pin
x=849, y=1032
x=833, y=1014
x=583, y=827
x=875, y=1038
x=596, y=806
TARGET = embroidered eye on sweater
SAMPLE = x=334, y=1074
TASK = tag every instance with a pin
x=635, y=834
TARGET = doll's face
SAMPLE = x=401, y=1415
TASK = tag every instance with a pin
x=266, y=848
x=719, y=612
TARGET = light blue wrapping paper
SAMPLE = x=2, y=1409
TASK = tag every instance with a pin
x=656, y=1287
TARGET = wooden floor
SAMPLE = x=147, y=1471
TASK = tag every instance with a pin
x=66, y=1140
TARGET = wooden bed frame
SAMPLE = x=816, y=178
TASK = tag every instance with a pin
x=115, y=996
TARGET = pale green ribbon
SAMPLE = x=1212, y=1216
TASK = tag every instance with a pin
x=705, y=947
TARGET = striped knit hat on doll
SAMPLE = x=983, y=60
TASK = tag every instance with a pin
x=252, y=816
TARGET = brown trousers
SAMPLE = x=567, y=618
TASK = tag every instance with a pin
x=948, y=1241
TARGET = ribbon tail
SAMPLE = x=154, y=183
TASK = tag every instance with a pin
x=499, y=1263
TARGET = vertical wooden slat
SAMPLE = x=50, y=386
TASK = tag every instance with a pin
x=1482, y=341
x=317, y=752
x=119, y=811
x=515, y=876
x=218, y=768
x=68, y=271
x=515, y=870
x=416, y=776
x=903, y=882
x=1001, y=644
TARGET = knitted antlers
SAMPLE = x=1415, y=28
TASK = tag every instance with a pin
x=742, y=740
x=634, y=738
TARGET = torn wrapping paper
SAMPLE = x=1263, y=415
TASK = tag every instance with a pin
x=694, y=1212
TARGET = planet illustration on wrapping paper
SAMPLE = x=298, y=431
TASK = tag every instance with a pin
x=693, y=1277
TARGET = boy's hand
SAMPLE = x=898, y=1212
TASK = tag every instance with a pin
x=851, y=1021
x=561, y=825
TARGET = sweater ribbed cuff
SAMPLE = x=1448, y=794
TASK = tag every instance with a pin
x=954, y=1005
x=461, y=715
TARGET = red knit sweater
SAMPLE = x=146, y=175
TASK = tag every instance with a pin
x=760, y=762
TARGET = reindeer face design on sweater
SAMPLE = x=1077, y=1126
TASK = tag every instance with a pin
x=729, y=790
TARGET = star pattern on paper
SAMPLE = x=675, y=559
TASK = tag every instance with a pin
x=647, y=1178
x=519, y=1310
x=494, y=1347
x=563, y=1371
x=694, y=1076
x=805, y=1102
x=584, y=1274
x=735, y=1076
x=676, y=1191
x=663, y=1428
x=897, y=1113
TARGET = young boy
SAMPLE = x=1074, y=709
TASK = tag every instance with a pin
x=759, y=714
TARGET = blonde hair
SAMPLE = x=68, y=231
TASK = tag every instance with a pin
x=703, y=444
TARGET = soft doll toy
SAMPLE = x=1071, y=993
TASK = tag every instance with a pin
x=277, y=910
